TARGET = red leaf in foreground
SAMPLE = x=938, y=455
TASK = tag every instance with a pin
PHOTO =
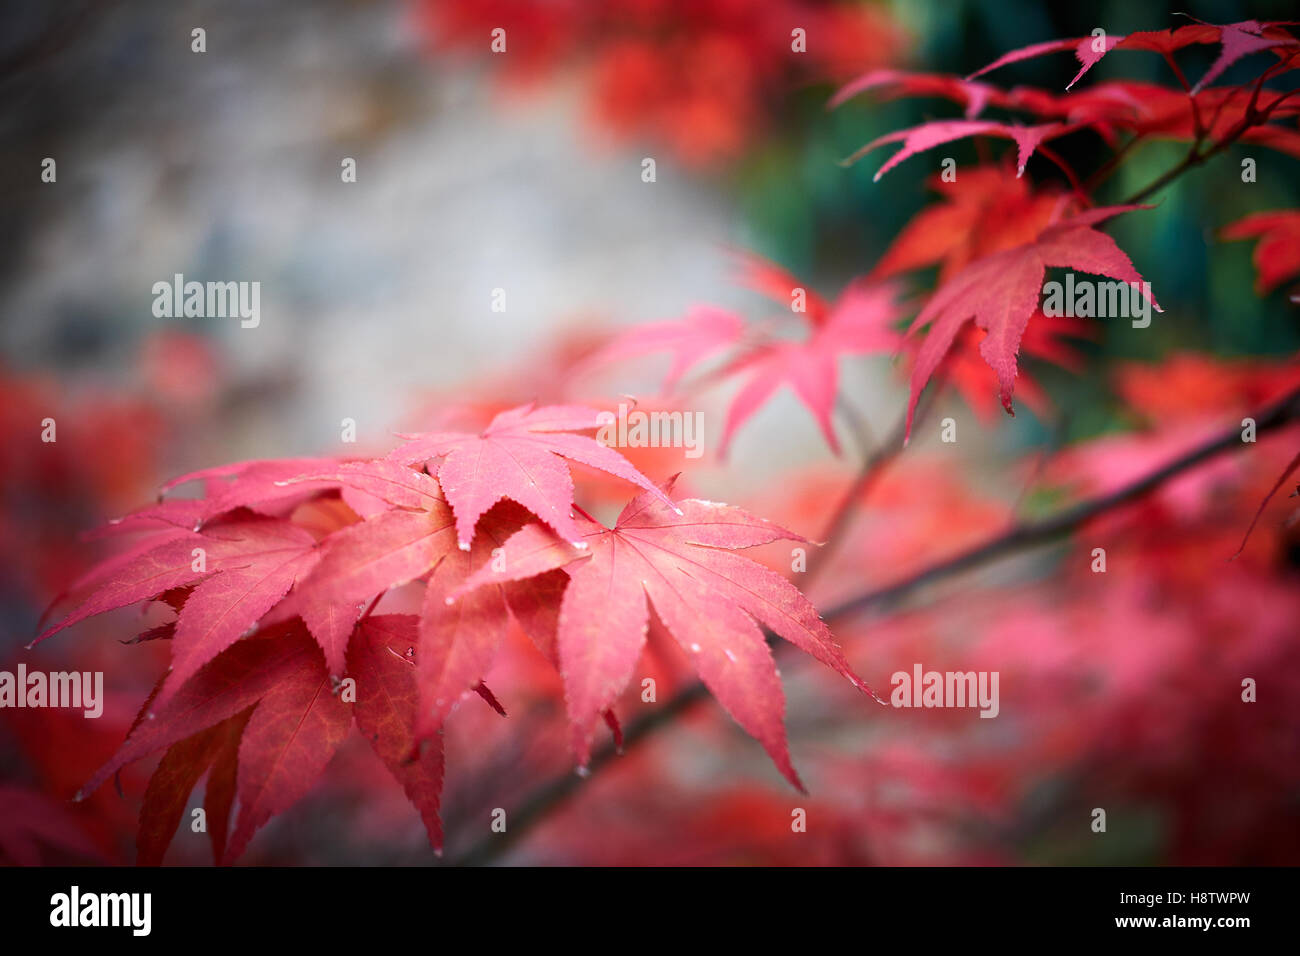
x=254, y=567
x=287, y=722
x=386, y=709
x=219, y=794
x=296, y=724
x=262, y=485
x=142, y=573
x=234, y=681
x=168, y=793
x=519, y=456
x=1001, y=291
x=362, y=561
x=711, y=600
x=293, y=733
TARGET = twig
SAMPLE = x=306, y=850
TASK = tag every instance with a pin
x=873, y=467
x=1028, y=534
x=1196, y=156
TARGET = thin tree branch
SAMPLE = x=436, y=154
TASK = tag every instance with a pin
x=1196, y=155
x=1029, y=534
x=537, y=804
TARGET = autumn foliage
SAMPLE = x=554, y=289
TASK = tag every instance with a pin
x=507, y=562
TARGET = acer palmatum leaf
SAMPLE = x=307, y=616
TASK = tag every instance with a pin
x=860, y=321
x=929, y=135
x=701, y=334
x=895, y=83
x=287, y=723
x=388, y=700
x=168, y=793
x=257, y=564
x=232, y=682
x=417, y=539
x=296, y=725
x=989, y=210
x=520, y=456
x=1001, y=292
x=711, y=600
x=293, y=732
x=1277, y=256
x=1236, y=39
x=143, y=572
x=265, y=486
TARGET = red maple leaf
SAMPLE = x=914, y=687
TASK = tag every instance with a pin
x=1001, y=292
x=859, y=321
x=1237, y=40
x=987, y=209
x=891, y=84
x=245, y=566
x=703, y=332
x=711, y=600
x=264, y=718
x=937, y=132
x=210, y=751
x=519, y=456
x=1046, y=338
x=1277, y=257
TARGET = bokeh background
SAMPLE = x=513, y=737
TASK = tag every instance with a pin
x=523, y=172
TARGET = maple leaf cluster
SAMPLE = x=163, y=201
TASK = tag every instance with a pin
x=993, y=236
x=293, y=599
x=274, y=574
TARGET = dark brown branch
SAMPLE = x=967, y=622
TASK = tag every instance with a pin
x=551, y=794
x=1031, y=533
